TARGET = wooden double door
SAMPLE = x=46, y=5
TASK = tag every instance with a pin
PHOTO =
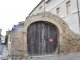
x=42, y=38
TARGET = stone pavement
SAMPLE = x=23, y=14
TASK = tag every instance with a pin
x=72, y=56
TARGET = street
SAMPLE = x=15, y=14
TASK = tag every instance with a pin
x=3, y=52
x=1, y=48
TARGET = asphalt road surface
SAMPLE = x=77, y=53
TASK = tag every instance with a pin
x=1, y=48
x=3, y=52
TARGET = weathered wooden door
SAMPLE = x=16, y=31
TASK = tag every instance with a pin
x=42, y=38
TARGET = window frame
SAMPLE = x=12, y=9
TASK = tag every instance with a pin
x=40, y=7
x=48, y=1
x=58, y=11
x=68, y=7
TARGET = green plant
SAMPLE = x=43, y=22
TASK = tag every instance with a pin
x=8, y=55
x=6, y=39
x=31, y=57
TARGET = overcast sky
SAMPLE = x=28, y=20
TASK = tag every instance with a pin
x=14, y=11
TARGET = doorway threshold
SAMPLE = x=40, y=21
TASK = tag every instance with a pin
x=42, y=56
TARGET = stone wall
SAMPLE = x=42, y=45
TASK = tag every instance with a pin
x=68, y=41
x=71, y=43
x=18, y=37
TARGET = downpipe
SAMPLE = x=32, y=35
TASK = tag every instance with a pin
x=78, y=15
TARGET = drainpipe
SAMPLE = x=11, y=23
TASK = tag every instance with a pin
x=78, y=15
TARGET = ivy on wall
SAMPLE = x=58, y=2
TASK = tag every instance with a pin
x=6, y=39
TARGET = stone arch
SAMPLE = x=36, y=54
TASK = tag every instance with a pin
x=65, y=33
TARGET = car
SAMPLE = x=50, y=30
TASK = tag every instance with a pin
x=2, y=42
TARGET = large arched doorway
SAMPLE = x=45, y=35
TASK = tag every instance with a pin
x=42, y=38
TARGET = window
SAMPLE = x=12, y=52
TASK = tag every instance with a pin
x=58, y=11
x=47, y=1
x=68, y=7
x=40, y=7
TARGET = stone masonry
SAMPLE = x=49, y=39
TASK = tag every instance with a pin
x=68, y=41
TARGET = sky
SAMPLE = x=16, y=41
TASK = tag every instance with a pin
x=14, y=11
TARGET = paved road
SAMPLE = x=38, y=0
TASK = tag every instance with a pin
x=1, y=49
x=3, y=52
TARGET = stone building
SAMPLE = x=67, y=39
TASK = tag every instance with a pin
x=44, y=35
x=51, y=32
x=40, y=29
x=68, y=10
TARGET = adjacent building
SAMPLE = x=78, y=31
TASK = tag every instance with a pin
x=68, y=10
x=8, y=32
x=3, y=38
